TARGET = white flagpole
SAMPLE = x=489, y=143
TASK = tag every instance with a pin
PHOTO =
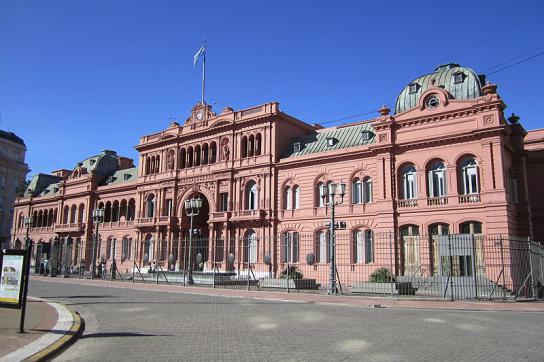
x=203, y=73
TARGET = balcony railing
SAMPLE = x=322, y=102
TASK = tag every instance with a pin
x=156, y=220
x=408, y=203
x=117, y=224
x=42, y=229
x=249, y=214
x=78, y=226
x=220, y=215
x=467, y=199
x=433, y=201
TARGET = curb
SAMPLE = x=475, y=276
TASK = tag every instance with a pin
x=69, y=323
x=66, y=340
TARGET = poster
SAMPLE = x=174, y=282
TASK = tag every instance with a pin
x=11, y=279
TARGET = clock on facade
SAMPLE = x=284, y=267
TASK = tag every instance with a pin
x=200, y=115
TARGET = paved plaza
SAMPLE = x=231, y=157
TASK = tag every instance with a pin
x=126, y=324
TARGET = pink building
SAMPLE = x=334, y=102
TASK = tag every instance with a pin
x=446, y=162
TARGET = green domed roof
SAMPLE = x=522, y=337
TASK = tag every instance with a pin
x=460, y=82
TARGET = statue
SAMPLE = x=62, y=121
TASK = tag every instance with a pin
x=225, y=151
x=170, y=161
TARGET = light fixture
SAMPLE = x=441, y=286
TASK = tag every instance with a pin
x=332, y=188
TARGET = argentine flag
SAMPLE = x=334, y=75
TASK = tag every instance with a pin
x=201, y=51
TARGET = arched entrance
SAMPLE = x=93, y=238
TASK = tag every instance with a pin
x=194, y=235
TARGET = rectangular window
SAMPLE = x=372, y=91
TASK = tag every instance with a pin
x=409, y=186
x=369, y=247
x=356, y=192
x=224, y=201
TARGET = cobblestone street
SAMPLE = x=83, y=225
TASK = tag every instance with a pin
x=134, y=325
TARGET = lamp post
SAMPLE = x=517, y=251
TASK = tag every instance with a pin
x=28, y=225
x=192, y=209
x=28, y=245
x=330, y=190
x=98, y=217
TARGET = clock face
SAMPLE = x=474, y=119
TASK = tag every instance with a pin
x=200, y=115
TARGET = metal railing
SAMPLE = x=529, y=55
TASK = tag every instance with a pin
x=457, y=266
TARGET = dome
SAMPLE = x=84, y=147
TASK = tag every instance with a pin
x=460, y=82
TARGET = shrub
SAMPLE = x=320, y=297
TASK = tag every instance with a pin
x=291, y=273
x=382, y=275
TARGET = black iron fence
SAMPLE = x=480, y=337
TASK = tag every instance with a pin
x=473, y=266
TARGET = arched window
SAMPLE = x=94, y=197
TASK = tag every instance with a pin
x=73, y=213
x=469, y=177
x=290, y=247
x=252, y=196
x=205, y=154
x=131, y=209
x=243, y=147
x=197, y=155
x=125, y=249
x=182, y=158
x=436, y=179
x=115, y=211
x=250, y=247
x=287, y=198
x=158, y=164
x=147, y=166
x=471, y=227
x=148, y=248
x=357, y=191
x=251, y=146
x=296, y=192
x=123, y=210
x=363, y=246
x=213, y=152
x=190, y=156
x=322, y=247
x=322, y=194
x=81, y=214
x=435, y=231
x=150, y=206
x=409, y=182
x=410, y=249
x=258, y=141
x=107, y=212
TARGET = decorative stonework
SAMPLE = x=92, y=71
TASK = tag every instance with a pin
x=489, y=119
x=383, y=137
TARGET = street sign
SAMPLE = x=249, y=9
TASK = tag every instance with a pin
x=12, y=275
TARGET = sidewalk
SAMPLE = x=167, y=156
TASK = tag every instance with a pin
x=49, y=327
x=343, y=300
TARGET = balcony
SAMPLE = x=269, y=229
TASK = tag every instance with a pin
x=469, y=199
x=434, y=201
x=42, y=229
x=156, y=220
x=248, y=215
x=407, y=203
x=117, y=225
x=72, y=227
x=220, y=216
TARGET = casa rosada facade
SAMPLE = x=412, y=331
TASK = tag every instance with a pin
x=446, y=161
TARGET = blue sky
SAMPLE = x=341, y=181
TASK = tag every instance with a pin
x=77, y=77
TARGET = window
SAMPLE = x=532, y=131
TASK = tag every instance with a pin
x=437, y=179
x=297, y=147
x=432, y=102
x=150, y=206
x=413, y=88
x=356, y=191
x=331, y=141
x=288, y=198
x=469, y=172
x=322, y=194
x=252, y=199
x=471, y=227
x=367, y=190
x=409, y=182
x=358, y=251
x=296, y=192
x=369, y=246
x=250, y=247
x=291, y=247
x=224, y=201
x=168, y=208
x=322, y=247
x=126, y=249
x=458, y=77
x=513, y=189
x=366, y=136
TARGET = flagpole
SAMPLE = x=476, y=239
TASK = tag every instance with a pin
x=203, y=73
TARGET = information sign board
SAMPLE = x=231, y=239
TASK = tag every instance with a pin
x=11, y=277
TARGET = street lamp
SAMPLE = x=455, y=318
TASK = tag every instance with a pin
x=28, y=242
x=98, y=217
x=192, y=209
x=330, y=192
